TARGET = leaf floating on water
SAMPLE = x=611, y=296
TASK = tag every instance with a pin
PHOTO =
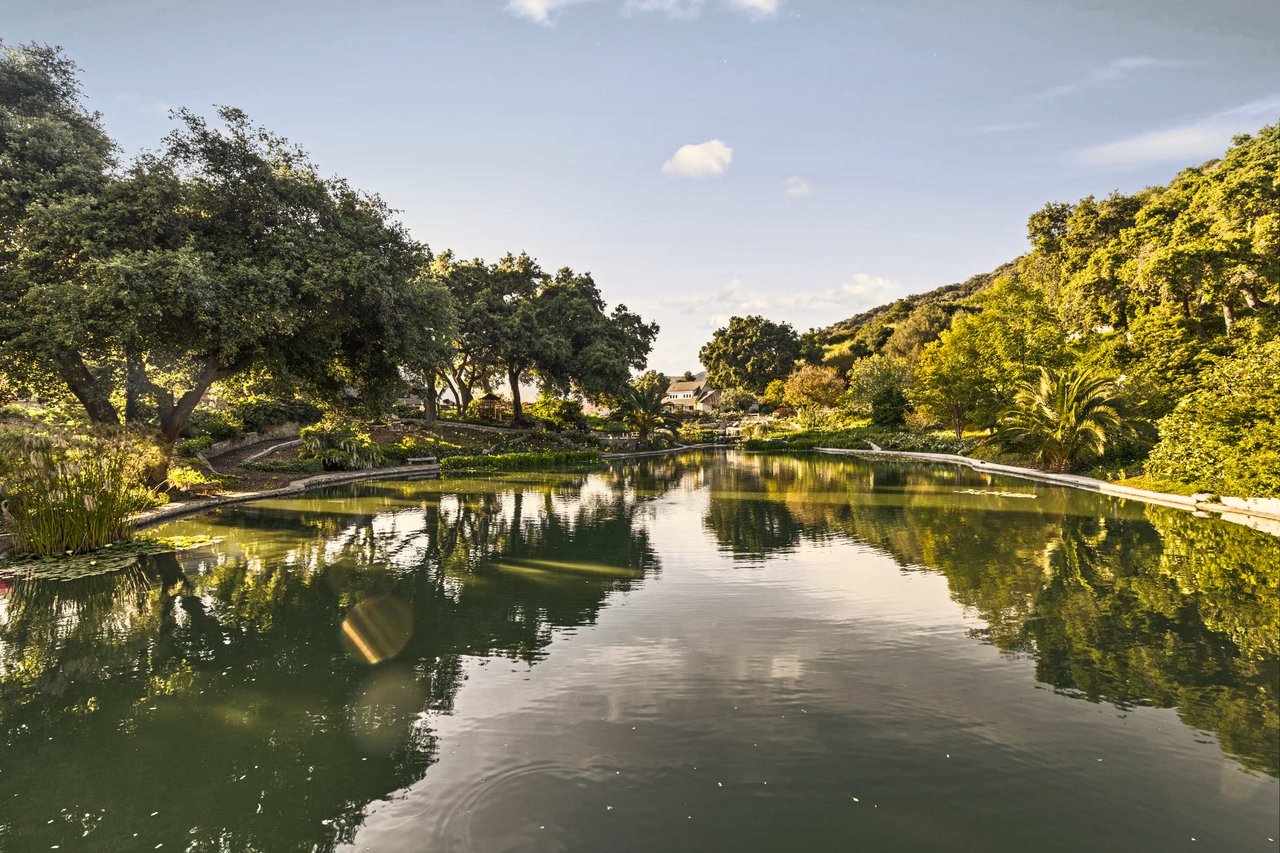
x=122, y=555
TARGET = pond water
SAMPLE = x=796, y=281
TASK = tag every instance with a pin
x=703, y=652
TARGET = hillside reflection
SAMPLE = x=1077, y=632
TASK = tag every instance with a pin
x=1116, y=602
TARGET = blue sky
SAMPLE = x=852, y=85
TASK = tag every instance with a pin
x=839, y=155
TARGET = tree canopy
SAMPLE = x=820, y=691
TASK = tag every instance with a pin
x=750, y=352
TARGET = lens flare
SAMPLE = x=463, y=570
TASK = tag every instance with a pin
x=377, y=629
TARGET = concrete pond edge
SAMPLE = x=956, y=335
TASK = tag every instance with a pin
x=1262, y=514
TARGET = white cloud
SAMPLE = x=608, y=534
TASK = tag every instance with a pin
x=700, y=161
x=1185, y=143
x=1113, y=72
x=755, y=8
x=538, y=11
x=689, y=319
x=1005, y=127
x=544, y=11
x=797, y=187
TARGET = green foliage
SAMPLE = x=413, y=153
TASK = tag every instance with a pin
x=339, y=445
x=641, y=407
x=520, y=461
x=871, y=377
x=212, y=424
x=224, y=252
x=516, y=320
x=750, y=353
x=969, y=375
x=736, y=400
x=692, y=433
x=68, y=494
x=192, y=446
x=1225, y=436
x=868, y=333
x=861, y=438
x=414, y=447
x=921, y=328
x=561, y=414
x=262, y=414
x=889, y=408
x=287, y=466
x=1064, y=417
x=190, y=479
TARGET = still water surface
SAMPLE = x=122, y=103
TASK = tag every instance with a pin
x=704, y=652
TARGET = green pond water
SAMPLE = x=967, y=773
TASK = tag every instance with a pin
x=704, y=652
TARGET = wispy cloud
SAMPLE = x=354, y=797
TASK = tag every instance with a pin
x=800, y=306
x=1006, y=127
x=694, y=316
x=797, y=187
x=1113, y=72
x=1185, y=143
x=703, y=160
x=545, y=11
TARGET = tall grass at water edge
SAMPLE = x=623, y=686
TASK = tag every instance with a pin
x=63, y=495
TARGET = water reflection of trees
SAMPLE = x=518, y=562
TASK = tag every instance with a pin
x=1116, y=603
x=215, y=690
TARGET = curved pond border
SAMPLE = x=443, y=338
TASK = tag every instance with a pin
x=175, y=510
x=1259, y=513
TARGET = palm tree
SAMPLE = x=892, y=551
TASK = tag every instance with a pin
x=1064, y=417
x=641, y=408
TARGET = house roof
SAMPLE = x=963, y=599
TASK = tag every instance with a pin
x=490, y=397
x=676, y=387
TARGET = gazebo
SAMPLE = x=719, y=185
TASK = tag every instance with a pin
x=489, y=407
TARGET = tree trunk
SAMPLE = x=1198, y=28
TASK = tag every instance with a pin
x=88, y=389
x=173, y=418
x=517, y=411
x=135, y=381
x=1252, y=299
x=429, y=407
x=1228, y=315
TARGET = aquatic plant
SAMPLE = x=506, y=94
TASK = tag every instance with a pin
x=68, y=494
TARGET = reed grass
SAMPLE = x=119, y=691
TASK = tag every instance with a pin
x=67, y=495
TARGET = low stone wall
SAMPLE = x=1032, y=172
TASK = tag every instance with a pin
x=176, y=510
x=1259, y=513
x=218, y=448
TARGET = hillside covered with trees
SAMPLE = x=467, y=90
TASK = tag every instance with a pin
x=1139, y=328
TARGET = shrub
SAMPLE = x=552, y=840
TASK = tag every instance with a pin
x=187, y=478
x=66, y=494
x=736, y=400
x=560, y=414
x=889, y=407
x=520, y=461
x=693, y=434
x=339, y=446
x=262, y=414
x=412, y=446
x=1225, y=436
x=216, y=425
x=192, y=446
x=286, y=466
